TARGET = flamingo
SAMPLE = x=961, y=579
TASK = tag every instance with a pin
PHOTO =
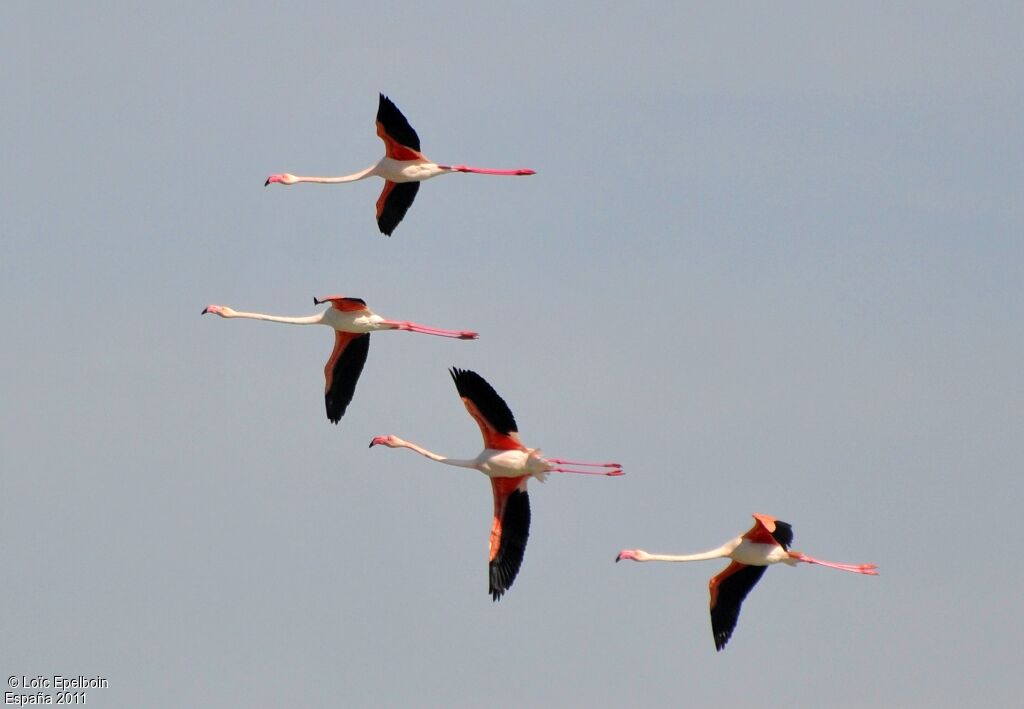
x=403, y=167
x=767, y=542
x=352, y=322
x=509, y=464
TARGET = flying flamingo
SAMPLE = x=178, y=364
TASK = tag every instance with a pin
x=509, y=464
x=766, y=543
x=352, y=322
x=403, y=167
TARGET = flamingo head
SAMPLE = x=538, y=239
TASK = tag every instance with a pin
x=284, y=178
x=222, y=310
x=633, y=554
x=389, y=441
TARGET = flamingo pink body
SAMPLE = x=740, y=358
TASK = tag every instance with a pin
x=509, y=464
x=766, y=543
x=352, y=322
x=403, y=167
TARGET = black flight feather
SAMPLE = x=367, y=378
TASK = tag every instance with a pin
x=731, y=592
x=396, y=205
x=783, y=534
x=345, y=375
x=491, y=406
x=396, y=124
x=515, y=530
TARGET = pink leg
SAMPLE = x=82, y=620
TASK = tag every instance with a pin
x=415, y=327
x=869, y=569
x=611, y=473
x=489, y=171
x=563, y=461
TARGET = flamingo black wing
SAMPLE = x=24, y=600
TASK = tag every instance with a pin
x=768, y=530
x=783, y=534
x=345, y=304
x=497, y=424
x=394, y=125
x=342, y=371
x=393, y=203
x=728, y=589
x=509, y=533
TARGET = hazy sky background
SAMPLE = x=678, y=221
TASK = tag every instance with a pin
x=772, y=261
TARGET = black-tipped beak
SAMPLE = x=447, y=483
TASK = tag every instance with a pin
x=371, y=445
x=316, y=301
x=205, y=311
x=267, y=182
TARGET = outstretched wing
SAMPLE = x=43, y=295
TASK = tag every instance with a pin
x=783, y=534
x=489, y=410
x=343, y=370
x=509, y=532
x=400, y=140
x=342, y=303
x=728, y=589
x=768, y=530
x=393, y=203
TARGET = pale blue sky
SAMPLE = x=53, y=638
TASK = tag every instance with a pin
x=771, y=262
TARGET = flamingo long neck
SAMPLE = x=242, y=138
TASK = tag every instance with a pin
x=354, y=177
x=434, y=456
x=305, y=320
x=718, y=553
